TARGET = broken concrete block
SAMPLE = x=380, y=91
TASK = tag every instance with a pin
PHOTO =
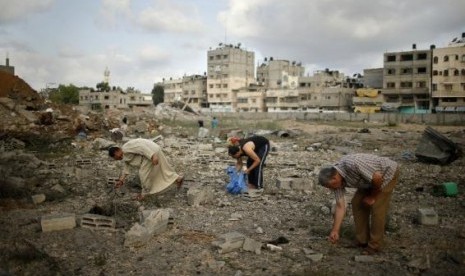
x=316, y=257
x=284, y=183
x=58, y=222
x=156, y=221
x=37, y=199
x=427, y=216
x=229, y=242
x=302, y=184
x=364, y=259
x=436, y=148
x=252, y=245
x=137, y=236
x=198, y=195
x=95, y=221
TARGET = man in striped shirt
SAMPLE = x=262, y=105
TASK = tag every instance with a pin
x=375, y=178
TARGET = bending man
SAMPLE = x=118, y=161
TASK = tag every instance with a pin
x=256, y=149
x=375, y=178
x=155, y=173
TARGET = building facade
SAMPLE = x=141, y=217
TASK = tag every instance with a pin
x=448, y=84
x=279, y=74
x=406, y=81
x=228, y=68
x=96, y=100
x=188, y=89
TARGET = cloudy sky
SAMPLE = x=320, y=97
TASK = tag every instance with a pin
x=142, y=41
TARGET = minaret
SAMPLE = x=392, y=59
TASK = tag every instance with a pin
x=106, y=76
x=7, y=62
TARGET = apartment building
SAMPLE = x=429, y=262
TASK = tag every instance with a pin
x=326, y=91
x=279, y=74
x=448, y=77
x=229, y=68
x=172, y=89
x=189, y=89
x=250, y=99
x=373, y=78
x=95, y=100
x=406, y=81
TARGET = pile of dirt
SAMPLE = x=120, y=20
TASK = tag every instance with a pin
x=16, y=88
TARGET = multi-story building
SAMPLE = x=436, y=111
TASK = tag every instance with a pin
x=279, y=74
x=448, y=84
x=172, y=89
x=249, y=99
x=188, y=89
x=406, y=81
x=228, y=68
x=326, y=91
x=373, y=78
x=113, y=99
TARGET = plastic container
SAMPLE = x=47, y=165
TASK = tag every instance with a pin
x=445, y=189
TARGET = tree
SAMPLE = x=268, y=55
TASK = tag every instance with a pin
x=66, y=94
x=158, y=94
x=103, y=86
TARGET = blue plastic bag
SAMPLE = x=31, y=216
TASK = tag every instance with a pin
x=237, y=183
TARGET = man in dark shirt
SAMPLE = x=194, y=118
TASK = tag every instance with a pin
x=256, y=149
x=375, y=178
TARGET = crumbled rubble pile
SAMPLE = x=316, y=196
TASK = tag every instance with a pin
x=61, y=215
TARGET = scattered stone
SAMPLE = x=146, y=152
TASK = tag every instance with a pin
x=58, y=222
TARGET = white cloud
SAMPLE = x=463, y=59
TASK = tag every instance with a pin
x=167, y=16
x=114, y=13
x=15, y=10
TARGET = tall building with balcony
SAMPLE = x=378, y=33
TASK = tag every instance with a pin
x=279, y=74
x=229, y=68
x=406, y=81
x=448, y=84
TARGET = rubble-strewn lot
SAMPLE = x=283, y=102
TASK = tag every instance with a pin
x=210, y=232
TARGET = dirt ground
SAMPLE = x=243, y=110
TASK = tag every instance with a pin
x=303, y=218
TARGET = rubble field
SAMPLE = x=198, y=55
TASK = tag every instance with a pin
x=60, y=215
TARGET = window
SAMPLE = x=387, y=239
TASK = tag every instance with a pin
x=225, y=85
x=406, y=84
x=211, y=85
x=406, y=71
x=463, y=58
x=211, y=57
x=456, y=72
x=225, y=56
x=422, y=56
x=391, y=71
x=446, y=58
x=391, y=85
x=435, y=72
x=434, y=87
x=463, y=72
x=446, y=73
x=421, y=70
x=435, y=60
x=406, y=57
x=448, y=87
x=391, y=58
x=106, y=97
x=421, y=84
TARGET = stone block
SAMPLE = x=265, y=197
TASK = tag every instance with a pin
x=137, y=236
x=97, y=222
x=37, y=199
x=252, y=245
x=229, y=242
x=302, y=184
x=427, y=216
x=156, y=221
x=198, y=195
x=58, y=222
x=284, y=183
